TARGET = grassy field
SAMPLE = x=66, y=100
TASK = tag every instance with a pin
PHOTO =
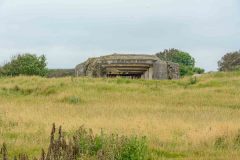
x=182, y=119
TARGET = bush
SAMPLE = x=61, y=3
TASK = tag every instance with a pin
x=110, y=146
x=184, y=59
x=133, y=149
x=193, y=80
x=189, y=71
x=198, y=70
x=86, y=145
x=186, y=71
x=230, y=62
x=177, y=56
x=25, y=64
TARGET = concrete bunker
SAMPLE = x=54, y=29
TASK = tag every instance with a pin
x=128, y=65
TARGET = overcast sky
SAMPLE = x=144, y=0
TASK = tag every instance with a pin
x=70, y=31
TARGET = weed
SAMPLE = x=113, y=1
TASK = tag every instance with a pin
x=220, y=142
x=72, y=100
x=111, y=146
x=4, y=152
x=16, y=88
x=85, y=145
x=191, y=81
x=237, y=140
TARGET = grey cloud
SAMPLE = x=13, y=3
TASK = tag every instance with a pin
x=74, y=30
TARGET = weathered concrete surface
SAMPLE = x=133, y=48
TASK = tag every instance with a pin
x=173, y=70
x=128, y=65
x=160, y=70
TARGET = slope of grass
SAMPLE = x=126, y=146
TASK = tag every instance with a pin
x=181, y=119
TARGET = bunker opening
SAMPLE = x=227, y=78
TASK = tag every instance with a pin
x=134, y=71
x=132, y=76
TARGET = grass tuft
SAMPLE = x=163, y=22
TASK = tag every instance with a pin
x=72, y=100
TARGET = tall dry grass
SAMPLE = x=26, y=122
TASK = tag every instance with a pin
x=179, y=118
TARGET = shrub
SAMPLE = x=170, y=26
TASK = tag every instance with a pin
x=177, y=56
x=230, y=62
x=184, y=59
x=186, y=71
x=133, y=149
x=193, y=80
x=198, y=70
x=86, y=145
x=25, y=64
x=111, y=146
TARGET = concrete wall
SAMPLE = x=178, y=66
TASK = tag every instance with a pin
x=148, y=74
x=145, y=75
x=173, y=70
x=80, y=70
x=160, y=70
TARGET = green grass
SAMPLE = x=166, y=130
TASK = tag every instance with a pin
x=182, y=119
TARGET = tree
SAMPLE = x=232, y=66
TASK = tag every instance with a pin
x=25, y=64
x=184, y=59
x=177, y=56
x=230, y=62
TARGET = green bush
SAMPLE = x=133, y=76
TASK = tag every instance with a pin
x=230, y=62
x=86, y=145
x=198, y=70
x=188, y=71
x=25, y=64
x=133, y=149
x=184, y=59
x=193, y=80
x=177, y=56
x=110, y=146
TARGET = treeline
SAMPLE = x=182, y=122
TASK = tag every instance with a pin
x=31, y=64
x=55, y=73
